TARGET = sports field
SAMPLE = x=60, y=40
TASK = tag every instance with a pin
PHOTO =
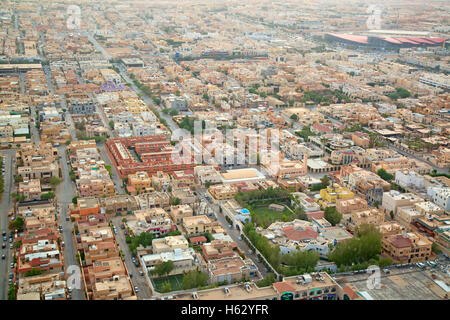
x=175, y=281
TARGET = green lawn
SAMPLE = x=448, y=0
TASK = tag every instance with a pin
x=176, y=282
x=263, y=216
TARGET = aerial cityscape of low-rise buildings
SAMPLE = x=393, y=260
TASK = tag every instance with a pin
x=225, y=150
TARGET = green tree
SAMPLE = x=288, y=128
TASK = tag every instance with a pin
x=54, y=181
x=325, y=181
x=75, y=200
x=385, y=175
x=384, y=262
x=300, y=261
x=109, y=169
x=12, y=292
x=166, y=287
x=267, y=281
x=435, y=248
x=332, y=215
x=164, y=268
x=294, y=117
x=47, y=196
x=19, y=223
x=194, y=279
x=33, y=272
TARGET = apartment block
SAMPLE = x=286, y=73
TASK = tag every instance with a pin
x=170, y=243
x=407, y=248
x=223, y=191
x=346, y=206
x=30, y=189
x=393, y=199
x=177, y=213
x=139, y=182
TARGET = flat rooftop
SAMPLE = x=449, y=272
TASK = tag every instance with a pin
x=401, y=284
x=235, y=293
x=241, y=175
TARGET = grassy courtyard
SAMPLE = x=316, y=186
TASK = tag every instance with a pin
x=263, y=216
x=176, y=282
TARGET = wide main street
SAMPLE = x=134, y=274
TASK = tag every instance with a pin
x=65, y=191
x=6, y=205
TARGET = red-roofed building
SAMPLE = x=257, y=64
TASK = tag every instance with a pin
x=315, y=215
x=283, y=286
x=350, y=293
x=322, y=127
x=198, y=240
x=299, y=234
x=407, y=248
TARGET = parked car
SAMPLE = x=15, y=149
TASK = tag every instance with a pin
x=141, y=273
x=11, y=246
x=4, y=245
x=136, y=289
x=3, y=257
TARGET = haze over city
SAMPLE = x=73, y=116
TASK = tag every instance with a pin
x=225, y=150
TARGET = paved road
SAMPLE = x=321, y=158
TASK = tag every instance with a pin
x=407, y=154
x=35, y=137
x=5, y=207
x=234, y=233
x=115, y=176
x=65, y=192
x=138, y=280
